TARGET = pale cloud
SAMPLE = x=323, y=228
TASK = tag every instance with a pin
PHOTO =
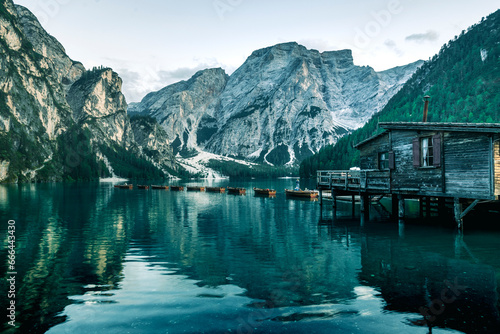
x=429, y=36
x=138, y=83
x=391, y=45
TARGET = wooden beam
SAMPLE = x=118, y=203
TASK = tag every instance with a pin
x=470, y=207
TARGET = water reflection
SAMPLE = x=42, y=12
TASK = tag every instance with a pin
x=93, y=259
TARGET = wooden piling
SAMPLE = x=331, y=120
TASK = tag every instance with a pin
x=457, y=206
x=353, y=205
x=401, y=228
x=401, y=207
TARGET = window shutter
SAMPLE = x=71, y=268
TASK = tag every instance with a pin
x=436, y=147
x=416, y=152
x=392, y=164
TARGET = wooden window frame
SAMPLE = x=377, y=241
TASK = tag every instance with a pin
x=426, y=160
x=383, y=164
x=436, y=149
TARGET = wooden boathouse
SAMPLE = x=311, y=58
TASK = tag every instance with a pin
x=455, y=163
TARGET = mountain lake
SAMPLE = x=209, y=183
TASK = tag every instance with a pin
x=91, y=258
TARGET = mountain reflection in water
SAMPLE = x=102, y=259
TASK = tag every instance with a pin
x=92, y=258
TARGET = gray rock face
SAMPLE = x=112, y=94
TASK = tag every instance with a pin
x=44, y=95
x=99, y=105
x=185, y=107
x=33, y=110
x=282, y=105
x=63, y=68
x=153, y=140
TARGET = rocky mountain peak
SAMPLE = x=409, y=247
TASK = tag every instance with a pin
x=341, y=59
x=181, y=107
x=63, y=67
x=97, y=94
x=282, y=105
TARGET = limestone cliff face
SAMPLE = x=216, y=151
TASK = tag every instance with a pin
x=47, y=98
x=185, y=108
x=153, y=140
x=33, y=109
x=287, y=102
x=283, y=104
x=64, y=69
x=99, y=105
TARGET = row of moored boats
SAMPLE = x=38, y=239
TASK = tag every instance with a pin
x=231, y=190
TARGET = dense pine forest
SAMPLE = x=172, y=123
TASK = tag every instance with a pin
x=463, y=80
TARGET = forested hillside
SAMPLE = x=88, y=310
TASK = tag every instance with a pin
x=463, y=80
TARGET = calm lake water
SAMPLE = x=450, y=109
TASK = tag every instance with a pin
x=91, y=258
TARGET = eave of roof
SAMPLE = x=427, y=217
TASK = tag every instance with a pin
x=434, y=126
x=361, y=143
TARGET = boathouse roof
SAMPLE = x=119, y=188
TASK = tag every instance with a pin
x=433, y=126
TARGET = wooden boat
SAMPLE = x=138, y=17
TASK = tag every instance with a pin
x=177, y=188
x=195, y=188
x=302, y=193
x=159, y=187
x=264, y=192
x=216, y=189
x=238, y=191
x=143, y=187
x=124, y=186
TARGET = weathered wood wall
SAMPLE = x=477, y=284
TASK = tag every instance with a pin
x=368, y=154
x=407, y=178
x=467, y=164
x=496, y=159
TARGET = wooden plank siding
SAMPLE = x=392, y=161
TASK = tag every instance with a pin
x=368, y=156
x=496, y=166
x=467, y=165
x=377, y=181
x=408, y=178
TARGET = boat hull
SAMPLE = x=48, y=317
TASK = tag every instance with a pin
x=301, y=193
x=264, y=192
x=237, y=191
x=160, y=187
x=125, y=186
x=216, y=189
x=195, y=188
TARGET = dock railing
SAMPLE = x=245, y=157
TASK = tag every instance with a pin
x=339, y=178
x=366, y=179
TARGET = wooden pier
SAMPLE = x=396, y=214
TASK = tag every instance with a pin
x=441, y=164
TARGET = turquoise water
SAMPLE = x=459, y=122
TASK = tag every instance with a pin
x=91, y=258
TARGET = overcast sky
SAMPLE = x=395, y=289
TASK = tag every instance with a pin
x=153, y=43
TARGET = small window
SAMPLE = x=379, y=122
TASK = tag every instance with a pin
x=383, y=160
x=426, y=152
